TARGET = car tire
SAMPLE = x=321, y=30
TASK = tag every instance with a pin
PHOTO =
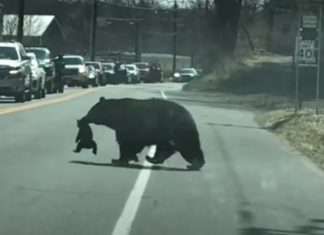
x=20, y=98
x=95, y=83
x=43, y=93
x=61, y=88
x=50, y=87
x=38, y=94
x=84, y=86
x=28, y=96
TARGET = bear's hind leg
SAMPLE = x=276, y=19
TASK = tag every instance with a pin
x=94, y=148
x=194, y=156
x=163, y=152
x=78, y=148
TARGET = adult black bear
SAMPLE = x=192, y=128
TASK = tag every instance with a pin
x=84, y=138
x=140, y=123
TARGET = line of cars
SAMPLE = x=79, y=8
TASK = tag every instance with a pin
x=27, y=73
x=31, y=72
x=79, y=72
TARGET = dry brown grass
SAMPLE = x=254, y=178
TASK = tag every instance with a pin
x=304, y=131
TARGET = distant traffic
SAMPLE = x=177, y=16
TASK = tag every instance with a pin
x=33, y=72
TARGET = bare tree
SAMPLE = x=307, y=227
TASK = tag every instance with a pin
x=32, y=25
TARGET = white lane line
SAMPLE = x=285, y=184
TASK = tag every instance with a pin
x=163, y=95
x=125, y=221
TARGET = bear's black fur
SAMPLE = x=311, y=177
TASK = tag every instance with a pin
x=84, y=138
x=140, y=123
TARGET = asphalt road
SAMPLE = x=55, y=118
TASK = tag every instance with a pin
x=253, y=182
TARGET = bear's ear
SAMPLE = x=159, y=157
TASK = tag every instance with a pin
x=102, y=99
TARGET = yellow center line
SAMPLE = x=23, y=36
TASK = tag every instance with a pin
x=45, y=102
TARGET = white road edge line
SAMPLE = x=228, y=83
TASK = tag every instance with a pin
x=124, y=223
x=163, y=95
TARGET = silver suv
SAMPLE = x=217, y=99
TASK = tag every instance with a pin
x=75, y=72
x=15, y=72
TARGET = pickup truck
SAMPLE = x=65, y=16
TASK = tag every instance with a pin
x=75, y=72
x=15, y=72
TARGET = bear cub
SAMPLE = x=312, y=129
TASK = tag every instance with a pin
x=84, y=138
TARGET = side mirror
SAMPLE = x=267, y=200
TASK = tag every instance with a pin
x=25, y=57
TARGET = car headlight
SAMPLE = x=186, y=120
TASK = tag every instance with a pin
x=81, y=70
x=33, y=74
x=14, y=71
x=177, y=75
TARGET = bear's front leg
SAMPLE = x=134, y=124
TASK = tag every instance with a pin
x=123, y=158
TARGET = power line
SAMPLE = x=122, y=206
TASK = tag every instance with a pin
x=123, y=19
x=165, y=34
x=134, y=7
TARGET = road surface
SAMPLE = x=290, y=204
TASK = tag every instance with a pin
x=253, y=182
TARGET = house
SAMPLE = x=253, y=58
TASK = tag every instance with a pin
x=39, y=30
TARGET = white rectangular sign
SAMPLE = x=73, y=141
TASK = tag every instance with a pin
x=307, y=52
x=309, y=21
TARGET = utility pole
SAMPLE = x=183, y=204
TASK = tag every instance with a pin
x=1, y=22
x=93, y=31
x=206, y=7
x=137, y=48
x=137, y=40
x=175, y=28
x=21, y=12
x=193, y=38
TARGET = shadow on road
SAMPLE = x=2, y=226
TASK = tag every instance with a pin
x=132, y=166
x=314, y=226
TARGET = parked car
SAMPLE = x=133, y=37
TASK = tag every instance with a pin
x=144, y=69
x=75, y=72
x=38, y=77
x=185, y=75
x=92, y=75
x=100, y=71
x=133, y=73
x=44, y=58
x=15, y=72
x=155, y=74
x=109, y=72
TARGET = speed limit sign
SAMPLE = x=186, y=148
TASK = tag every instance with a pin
x=307, y=52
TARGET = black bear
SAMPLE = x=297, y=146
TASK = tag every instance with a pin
x=140, y=123
x=84, y=138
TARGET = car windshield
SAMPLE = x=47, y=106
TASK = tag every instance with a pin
x=187, y=71
x=73, y=61
x=142, y=66
x=91, y=68
x=33, y=60
x=8, y=53
x=40, y=54
x=130, y=67
x=95, y=65
x=108, y=66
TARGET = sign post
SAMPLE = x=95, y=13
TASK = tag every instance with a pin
x=308, y=45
